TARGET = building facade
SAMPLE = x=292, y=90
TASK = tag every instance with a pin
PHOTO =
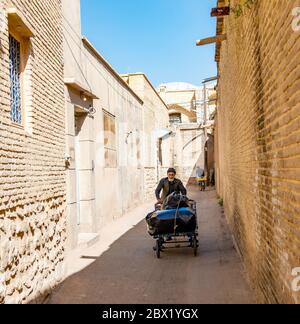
x=156, y=137
x=104, y=129
x=181, y=99
x=186, y=102
x=191, y=118
x=32, y=148
x=257, y=141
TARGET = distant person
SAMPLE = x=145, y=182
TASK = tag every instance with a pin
x=168, y=186
x=201, y=180
x=200, y=173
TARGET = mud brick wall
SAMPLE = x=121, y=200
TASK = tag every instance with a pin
x=32, y=170
x=150, y=176
x=258, y=142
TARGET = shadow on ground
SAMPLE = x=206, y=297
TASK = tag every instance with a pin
x=129, y=273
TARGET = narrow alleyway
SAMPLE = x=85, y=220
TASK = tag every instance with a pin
x=129, y=272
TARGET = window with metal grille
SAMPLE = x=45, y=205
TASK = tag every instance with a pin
x=15, y=80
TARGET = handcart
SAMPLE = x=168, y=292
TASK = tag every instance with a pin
x=174, y=228
x=171, y=241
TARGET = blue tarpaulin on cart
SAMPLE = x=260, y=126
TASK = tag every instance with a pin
x=172, y=221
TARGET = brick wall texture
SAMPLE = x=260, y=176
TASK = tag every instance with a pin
x=32, y=170
x=258, y=143
x=150, y=176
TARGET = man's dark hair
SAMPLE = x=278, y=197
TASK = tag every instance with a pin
x=172, y=170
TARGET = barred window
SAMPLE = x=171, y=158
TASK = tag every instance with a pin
x=15, y=79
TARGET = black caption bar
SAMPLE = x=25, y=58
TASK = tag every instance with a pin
x=136, y=313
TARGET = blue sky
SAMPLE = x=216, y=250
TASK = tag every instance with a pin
x=156, y=37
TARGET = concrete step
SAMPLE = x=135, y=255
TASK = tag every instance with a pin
x=86, y=240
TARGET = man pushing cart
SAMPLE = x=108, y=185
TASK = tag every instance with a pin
x=174, y=222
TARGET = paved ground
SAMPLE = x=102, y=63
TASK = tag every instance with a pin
x=129, y=272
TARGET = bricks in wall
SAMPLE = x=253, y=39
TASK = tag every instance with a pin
x=150, y=176
x=257, y=138
x=32, y=170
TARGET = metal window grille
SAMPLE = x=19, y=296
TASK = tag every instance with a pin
x=15, y=80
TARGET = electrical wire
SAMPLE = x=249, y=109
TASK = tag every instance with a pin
x=101, y=73
x=92, y=63
x=80, y=39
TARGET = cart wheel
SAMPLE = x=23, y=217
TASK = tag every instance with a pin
x=158, y=249
x=195, y=245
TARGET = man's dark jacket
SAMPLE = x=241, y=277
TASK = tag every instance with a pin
x=165, y=187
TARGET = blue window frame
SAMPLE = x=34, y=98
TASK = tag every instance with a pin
x=15, y=80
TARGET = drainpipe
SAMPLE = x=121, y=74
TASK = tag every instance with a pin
x=205, y=82
x=205, y=109
x=160, y=135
